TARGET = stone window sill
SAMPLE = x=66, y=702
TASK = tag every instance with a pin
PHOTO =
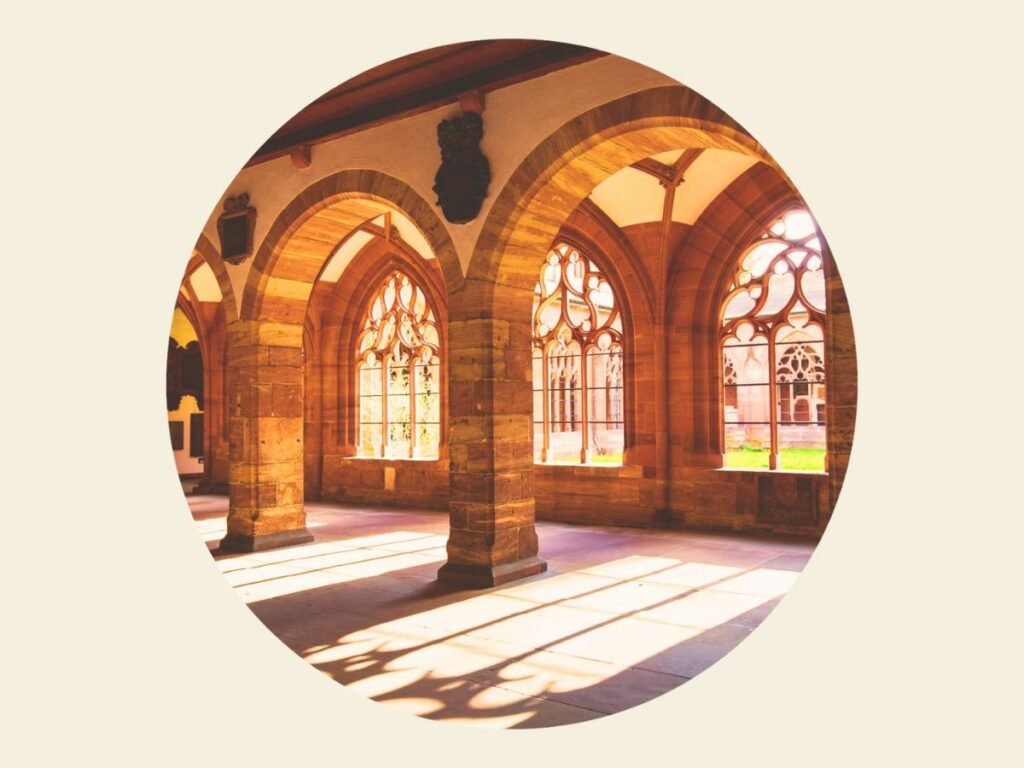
x=406, y=460
x=763, y=471
x=620, y=470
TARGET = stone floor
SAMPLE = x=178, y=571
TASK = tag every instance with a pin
x=621, y=616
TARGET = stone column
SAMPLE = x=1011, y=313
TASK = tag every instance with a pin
x=493, y=538
x=841, y=368
x=215, y=453
x=265, y=433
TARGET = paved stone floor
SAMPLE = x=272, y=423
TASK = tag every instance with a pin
x=621, y=616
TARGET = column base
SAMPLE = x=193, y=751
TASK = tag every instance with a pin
x=237, y=542
x=482, y=576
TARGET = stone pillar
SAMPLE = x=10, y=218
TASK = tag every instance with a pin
x=493, y=538
x=265, y=433
x=215, y=420
x=841, y=367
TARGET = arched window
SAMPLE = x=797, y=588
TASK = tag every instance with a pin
x=773, y=350
x=398, y=373
x=577, y=363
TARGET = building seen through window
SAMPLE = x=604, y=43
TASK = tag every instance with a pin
x=399, y=373
x=773, y=351
x=577, y=363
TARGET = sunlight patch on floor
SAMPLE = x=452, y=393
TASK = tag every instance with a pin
x=589, y=637
x=554, y=635
x=263, y=575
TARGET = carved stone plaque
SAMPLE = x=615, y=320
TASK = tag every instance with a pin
x=461, y=181
x=235, y=228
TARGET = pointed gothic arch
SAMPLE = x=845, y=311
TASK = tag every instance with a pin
x=266, y=345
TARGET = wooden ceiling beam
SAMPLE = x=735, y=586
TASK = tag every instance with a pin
x=683, y=164
x=441, y=90
x=668, y=175
x=652, y=167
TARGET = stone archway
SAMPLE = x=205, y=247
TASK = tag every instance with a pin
x=334, y=323
x=210, y=318
x=493, y=537
x=265, y=346
x=212, y=257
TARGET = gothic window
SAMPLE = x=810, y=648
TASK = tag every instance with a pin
x=398, y=373
x=773, y=350
x=577, y=363
x=730, y=387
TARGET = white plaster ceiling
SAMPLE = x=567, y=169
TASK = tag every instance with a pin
x=347, y=251
x=668, y=158
x=204, y=283
x=411, y=234
x=344, y=254
x=631, y=196
x=706, y=179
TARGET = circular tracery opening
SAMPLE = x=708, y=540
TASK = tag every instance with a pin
x=398, y=373
x=773, y=351
x=577, y=362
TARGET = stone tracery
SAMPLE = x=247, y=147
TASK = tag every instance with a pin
x=773, y=320
x=578, y=347
x=398, y=372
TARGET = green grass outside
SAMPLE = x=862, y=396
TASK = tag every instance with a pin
x=797, y=459
x=609, y=458
x=812, y=459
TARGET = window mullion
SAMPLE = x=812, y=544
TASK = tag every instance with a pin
x=384, y=371
x=412, y=407
x=773, y=403
x=545, y=406
x=584, y=409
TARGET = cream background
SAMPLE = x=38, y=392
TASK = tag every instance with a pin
x=901, y=643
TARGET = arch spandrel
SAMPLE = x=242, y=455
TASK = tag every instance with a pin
x=562, y=171
x=308, y=230
x=265, y=346
x=211, y=256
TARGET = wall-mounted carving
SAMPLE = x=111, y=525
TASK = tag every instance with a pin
x=184, y=373
x=461, y=181
x=235, y=227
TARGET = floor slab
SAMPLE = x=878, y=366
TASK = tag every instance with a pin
x=620, y=617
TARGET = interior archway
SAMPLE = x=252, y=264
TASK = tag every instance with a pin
x=212, y=257
x=206, y=296
x=490, y=314
x=266, y=346
x=658, y=186
x=334, y=323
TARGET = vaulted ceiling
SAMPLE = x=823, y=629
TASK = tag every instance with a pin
x=632, y=197
x=636, y=195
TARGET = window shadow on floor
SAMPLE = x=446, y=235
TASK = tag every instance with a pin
x=604, y=630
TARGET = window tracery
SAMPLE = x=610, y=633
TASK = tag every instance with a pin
x=577, y=362
x=773, y=351
x=398, y=372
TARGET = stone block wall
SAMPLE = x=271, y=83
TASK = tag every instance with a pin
x=291, y=410
x=413, y=483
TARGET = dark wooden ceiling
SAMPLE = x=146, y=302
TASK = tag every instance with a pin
x=419, y=82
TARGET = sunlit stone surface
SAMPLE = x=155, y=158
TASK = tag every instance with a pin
x=620, y=617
